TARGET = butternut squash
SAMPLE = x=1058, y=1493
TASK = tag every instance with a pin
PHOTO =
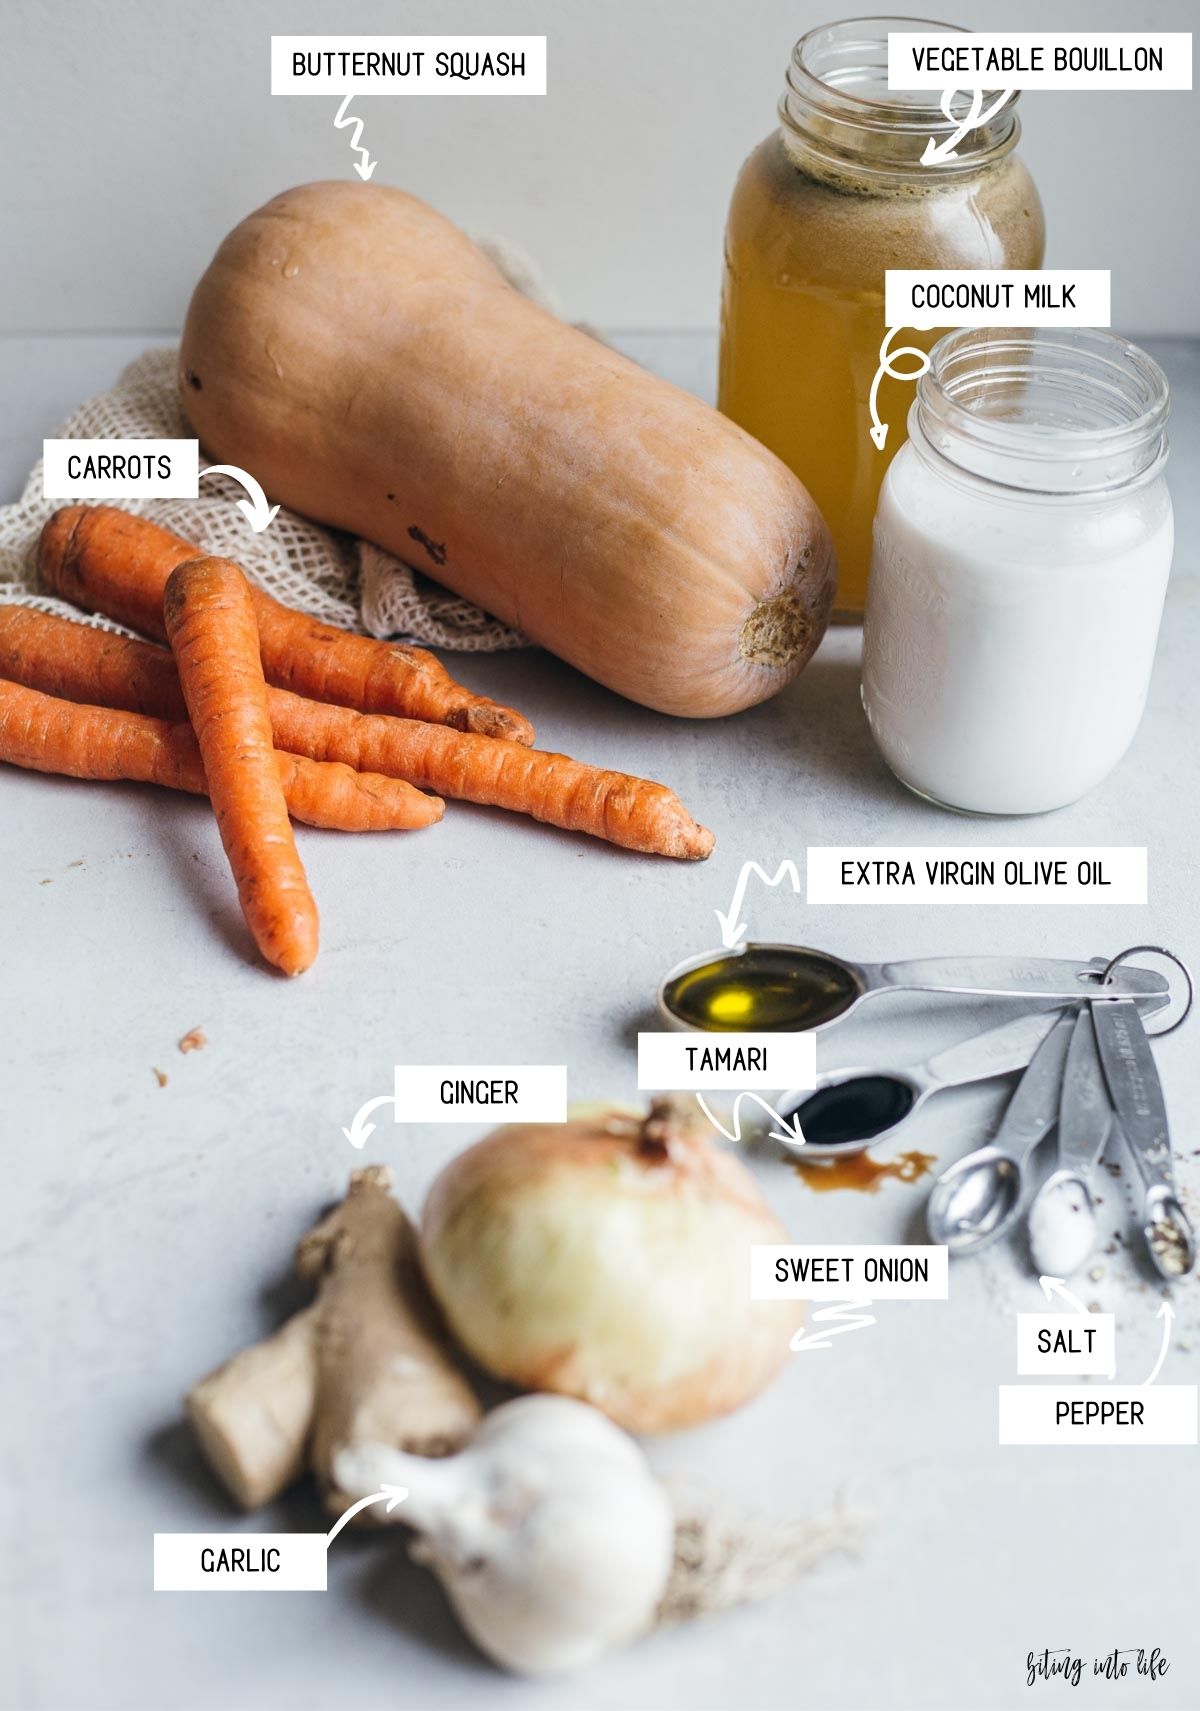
x=361, y=357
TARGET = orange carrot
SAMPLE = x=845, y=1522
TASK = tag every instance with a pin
x=108, y=561
x=209, y=620
x=339, y=798
x=45, y=734
x=632, y=812
x=80, y=663
x=83, y=664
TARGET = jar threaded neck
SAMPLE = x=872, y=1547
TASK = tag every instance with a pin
x=1055, y=411
x=838, y=108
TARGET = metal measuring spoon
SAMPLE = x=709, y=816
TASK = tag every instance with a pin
x=978, y=1197
x=823, y=989
x=1131, y=1078
x=1062, y=1216
x=851, y=1108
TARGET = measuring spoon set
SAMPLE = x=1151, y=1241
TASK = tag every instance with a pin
x=1089, y=1075
x=1093, y=1078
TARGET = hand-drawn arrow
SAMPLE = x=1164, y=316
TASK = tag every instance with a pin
x=1052, y=1286
x=788, y=1130
x=392, y=1494
x=838, y=1317
x=366, y=166
x=1166, y=1313
x=947, y=149
x=360, y=1131
x=887, y=359
x=732, y=928
x=256, y=511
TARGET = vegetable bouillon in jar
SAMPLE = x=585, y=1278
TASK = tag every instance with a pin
x=822, y=209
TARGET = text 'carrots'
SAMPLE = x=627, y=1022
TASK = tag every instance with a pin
x=209, y=621
x=84, y=664
x=111, y=562
x=45, y=734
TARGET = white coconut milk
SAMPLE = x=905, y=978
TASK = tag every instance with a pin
x=1011, y=630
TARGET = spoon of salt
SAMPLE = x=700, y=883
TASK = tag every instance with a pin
x=1062, y=1218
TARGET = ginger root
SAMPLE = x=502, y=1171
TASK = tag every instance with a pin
x=366, y=1362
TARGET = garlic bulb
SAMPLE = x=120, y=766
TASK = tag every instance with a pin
x=550, y=1534
x=608, y=1258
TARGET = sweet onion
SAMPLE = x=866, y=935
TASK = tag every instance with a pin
x=608, y=1258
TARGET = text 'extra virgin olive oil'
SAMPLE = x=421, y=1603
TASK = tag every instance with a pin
x=763, y=989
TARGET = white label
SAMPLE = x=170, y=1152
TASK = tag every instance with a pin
x=1040, y=59
x=997, y=297
x=408, y=65
x=1053, y=1345
x=827, y=1272
x=1097, y=1413
x=240, y=1562
x=701, y=1063
x=120, y=469
x=965, y=875
x=499, y=1093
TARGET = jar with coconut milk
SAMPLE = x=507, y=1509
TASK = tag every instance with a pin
x=822, y=209
x=1022, y=548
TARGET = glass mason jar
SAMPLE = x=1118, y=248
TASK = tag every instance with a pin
x=1022, y=548
x=821, y=209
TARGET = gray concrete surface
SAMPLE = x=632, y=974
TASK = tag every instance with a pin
x=147, y=1230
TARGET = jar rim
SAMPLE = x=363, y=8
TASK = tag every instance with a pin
x=829, y=60
x=1053, y=410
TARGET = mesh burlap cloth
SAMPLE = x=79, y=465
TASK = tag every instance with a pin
x=332, y=575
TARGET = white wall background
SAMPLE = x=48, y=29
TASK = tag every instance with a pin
x=136, y=132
